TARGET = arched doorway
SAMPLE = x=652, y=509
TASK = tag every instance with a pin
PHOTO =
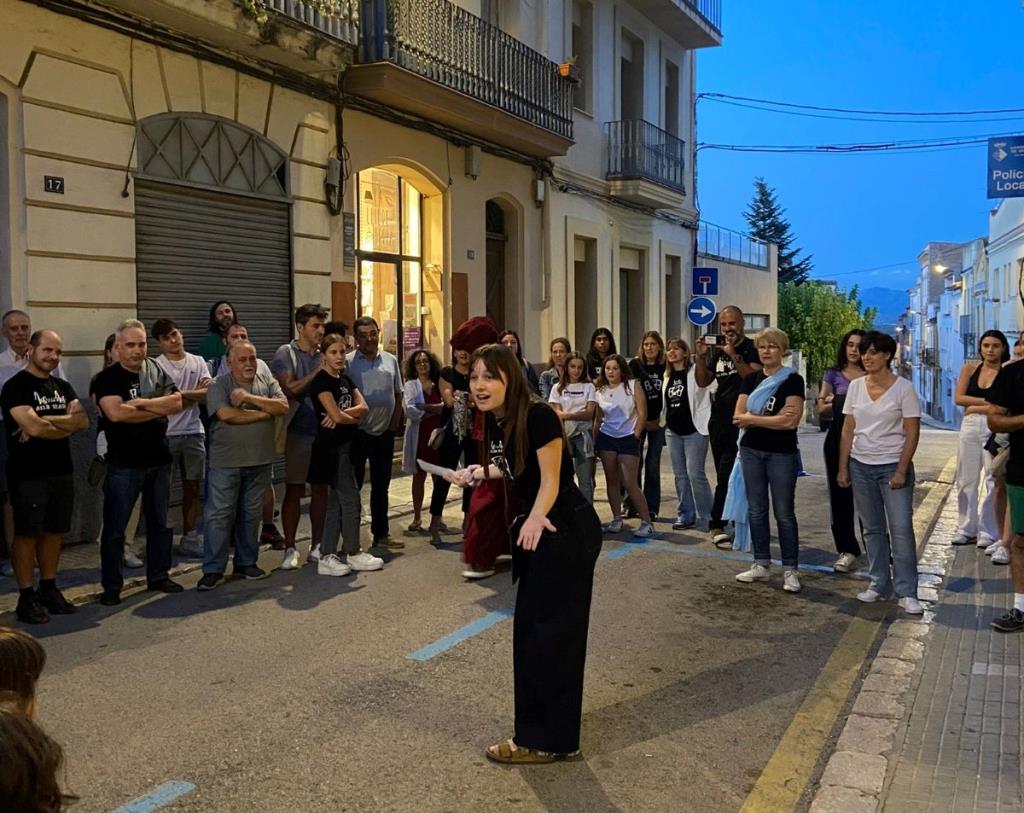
x=497, y=240
x=212, y=222
x=399, y=254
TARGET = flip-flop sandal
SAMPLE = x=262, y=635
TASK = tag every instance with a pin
x=508, y=753
x=415, y=529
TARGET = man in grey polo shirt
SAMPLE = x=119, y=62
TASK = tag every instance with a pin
x=242, y=405
x=378, y=377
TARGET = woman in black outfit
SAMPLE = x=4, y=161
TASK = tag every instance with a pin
x=831, y=398
x=558, y=539
x=510, y=339
x=602, y=345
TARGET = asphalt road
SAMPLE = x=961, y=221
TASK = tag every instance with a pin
x=297, y=693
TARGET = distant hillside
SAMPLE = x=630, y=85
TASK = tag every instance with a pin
x=890, y=302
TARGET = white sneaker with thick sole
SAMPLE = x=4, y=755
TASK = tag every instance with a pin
x=869, y=596
x=911, y=606
x=791, y=582
x=992, y=548
x=645, y=530
x=314, y=555
x=757, y=573
x=613, y=527
x=291, y=559
x=1001, y=555
x=846, y=563
x=331, y=565
x=363, y=562
x=131, y=560
x=984, y=540
x=475, y=573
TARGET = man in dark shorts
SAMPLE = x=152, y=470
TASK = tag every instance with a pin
x=1006, y=414
x=728, y=364
x=40, y=412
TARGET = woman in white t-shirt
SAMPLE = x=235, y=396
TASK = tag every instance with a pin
x=575, y=402
x=876, y=452
x=622, y=415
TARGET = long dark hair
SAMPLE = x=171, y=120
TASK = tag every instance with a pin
x=602, y=380
x=410, y=365
x=213, y=326
x=996, y=334
x=563, y=378
x=499, y=361
x=601, y=331
x=519, y=344
x=841, y=360
x=22, y=659
x=30, y=763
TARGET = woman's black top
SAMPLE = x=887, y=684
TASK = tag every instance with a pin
x=677, y=404
x=772, y=440
x=594, y=364
x=974, y=389
x=542, y=427
x=651, y=377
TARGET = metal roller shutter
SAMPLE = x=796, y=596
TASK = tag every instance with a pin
x=195, y=247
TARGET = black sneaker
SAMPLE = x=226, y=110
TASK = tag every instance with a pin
x=250, y=572
x=31, y=611
x=1013, y=621
x=164, y=585
x=110, y=598
x=55, y=603
x=209, y=581
x=388, y=543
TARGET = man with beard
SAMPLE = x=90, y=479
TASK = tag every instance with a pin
x=222, y=316
x=727, y=363
x=40, y=412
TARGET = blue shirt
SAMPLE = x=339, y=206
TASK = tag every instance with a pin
x=380, y=382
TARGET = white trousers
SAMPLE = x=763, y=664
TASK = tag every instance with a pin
x=977, y=514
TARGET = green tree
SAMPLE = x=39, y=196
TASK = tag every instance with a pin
x=816, y=316
x=765, y=217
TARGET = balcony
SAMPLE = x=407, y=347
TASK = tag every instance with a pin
x=287, y=33
x=691, y=23
x=646, y=164
x=436, y=60
x=732, y=246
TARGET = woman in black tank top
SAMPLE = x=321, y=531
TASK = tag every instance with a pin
x=977, y=522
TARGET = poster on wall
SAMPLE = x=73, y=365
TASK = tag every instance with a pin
x=412, y=338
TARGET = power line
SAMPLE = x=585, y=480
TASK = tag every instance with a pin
x=844, y=117
x=932, y=114
x=918, y=145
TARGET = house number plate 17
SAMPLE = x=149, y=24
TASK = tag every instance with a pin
x=54, y=184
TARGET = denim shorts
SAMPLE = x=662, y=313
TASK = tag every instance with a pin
x=188, y=455
x=629, y=445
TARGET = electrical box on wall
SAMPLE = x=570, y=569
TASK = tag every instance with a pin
x=473, y=162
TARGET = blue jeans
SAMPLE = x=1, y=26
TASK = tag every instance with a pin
x=236, y=501
x=774, y=472
x=343, y=508
x=121, y=489
x=693, y=492
x=655, y=442
x=887, y=516
x=582, y=463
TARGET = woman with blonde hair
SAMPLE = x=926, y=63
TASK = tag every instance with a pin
x=648, y=371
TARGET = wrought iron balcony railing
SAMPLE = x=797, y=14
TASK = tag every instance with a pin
x=710, y=10
x=447, y=44
x=340, y=22
x=639, y=150
x=731, y=246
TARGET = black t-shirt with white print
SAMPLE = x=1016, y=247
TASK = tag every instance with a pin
x=729, y=380
x=677, y=404
x=651, y=377
x=132, y=445
x=772, y=440
x=36, y=458
x=342, y=390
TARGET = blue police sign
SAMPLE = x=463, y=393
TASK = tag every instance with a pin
x=1006, y=167
x=705, y=282
x=701, y=311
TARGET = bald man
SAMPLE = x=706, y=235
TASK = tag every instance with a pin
x=41, y=411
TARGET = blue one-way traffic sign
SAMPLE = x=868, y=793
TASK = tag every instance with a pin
x=705, y=282
x=701, y=310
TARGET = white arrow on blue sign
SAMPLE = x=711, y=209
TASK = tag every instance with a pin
x=701, y=310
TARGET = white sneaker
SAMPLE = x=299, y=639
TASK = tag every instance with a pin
x=1001, y=555
x=846, y=563
x=364, y=561
x=984, y=540
x=478, y=573
x=645, y=530
x=911, y=606
x=131, y=560
x=314, y=555
x=757, y=573
x=291, y=559
x=613, y=527
x=869, y=596
x=991, y=549
x=790, y=581
x=331, y=565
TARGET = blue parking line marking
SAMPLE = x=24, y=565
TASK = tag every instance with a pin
x=157, y=798
x=617, y=553
x=460, y=635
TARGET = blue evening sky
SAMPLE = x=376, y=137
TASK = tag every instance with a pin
x=860, y=211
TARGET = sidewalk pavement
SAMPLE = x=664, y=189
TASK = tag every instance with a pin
x=937, y=724
x=80, y=563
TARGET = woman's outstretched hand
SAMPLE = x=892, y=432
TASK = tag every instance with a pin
x=532, y=530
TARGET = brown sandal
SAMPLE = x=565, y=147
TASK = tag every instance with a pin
x=508, y=753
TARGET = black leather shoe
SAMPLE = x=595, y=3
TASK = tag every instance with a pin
x=31, y=611
x=165, y=585
x=55, y=603
x=110, y=598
